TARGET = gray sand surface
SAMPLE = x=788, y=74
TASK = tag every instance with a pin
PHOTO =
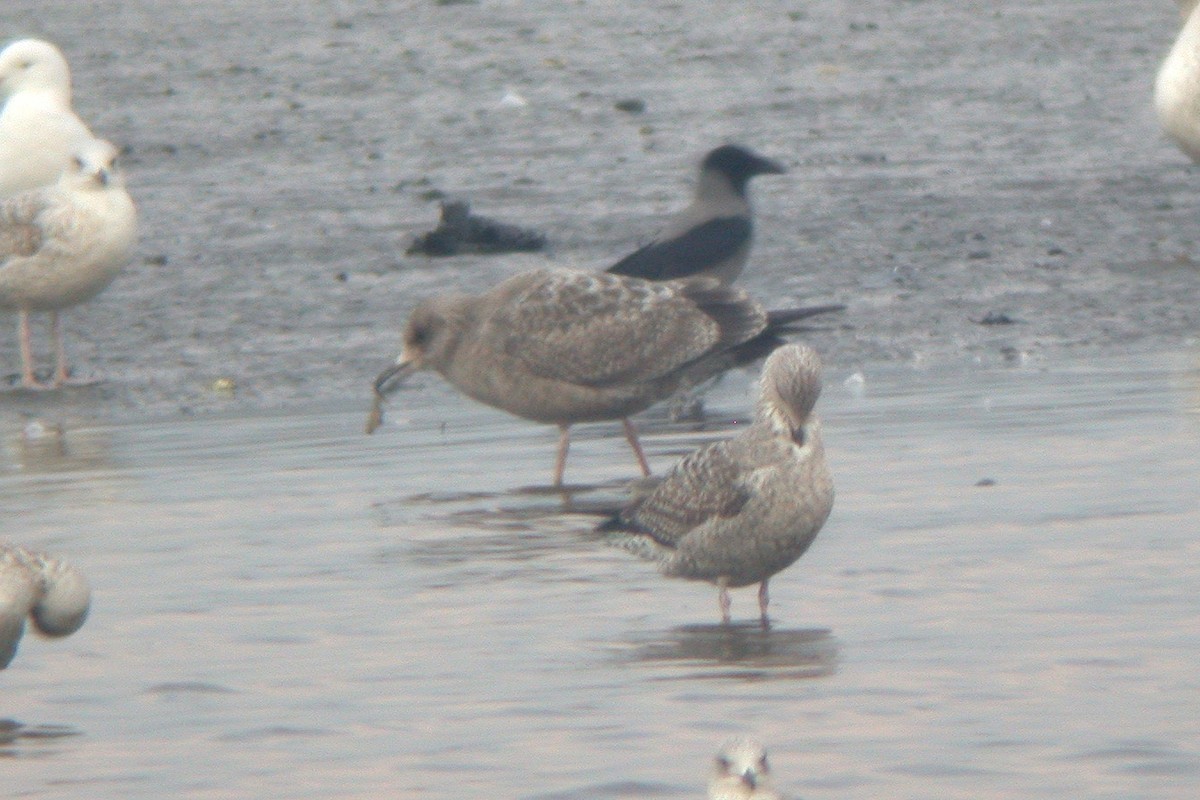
x=949, y=161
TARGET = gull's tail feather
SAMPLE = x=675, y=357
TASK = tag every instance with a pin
x=779, y=320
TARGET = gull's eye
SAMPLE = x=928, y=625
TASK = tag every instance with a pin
x=723, y=763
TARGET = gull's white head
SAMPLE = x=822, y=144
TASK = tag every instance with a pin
x=32, y=64
x=93, y=166
x=740, y=772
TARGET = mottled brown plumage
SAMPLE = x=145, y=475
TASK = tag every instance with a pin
x=567, y=346
x=20, y=234
x=737, y=512
x=51, y=593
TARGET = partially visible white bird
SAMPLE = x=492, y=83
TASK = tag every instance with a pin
x=1177, y=87
x=740, y=772
x=63, y=244
x=39, y=131
x=52, y=593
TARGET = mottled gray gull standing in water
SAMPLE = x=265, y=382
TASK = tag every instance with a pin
x=39, y=132
x=740, y=772
x=49, y=591
x=711, y=236
x=567, y=346
x=737, y=512
x=62, y=245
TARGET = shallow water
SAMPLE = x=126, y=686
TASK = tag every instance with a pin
x=1002, y=605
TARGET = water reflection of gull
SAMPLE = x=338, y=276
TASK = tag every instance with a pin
x=11, y=731
x=52, y=593
x=521, y=506
x=49, y=446
x=743, y=651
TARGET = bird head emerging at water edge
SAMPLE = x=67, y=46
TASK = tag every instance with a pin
x=740, y=772
x=429, y=338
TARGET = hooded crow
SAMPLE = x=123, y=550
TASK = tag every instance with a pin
x=712, y=236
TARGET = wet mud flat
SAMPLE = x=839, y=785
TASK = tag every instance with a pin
x=951, y=166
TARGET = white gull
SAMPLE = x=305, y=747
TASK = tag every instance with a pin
x=1177, y=86
x=39, y=132
x=63, y=244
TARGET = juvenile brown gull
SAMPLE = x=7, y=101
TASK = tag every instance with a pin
x=39, y=132
x=52, y=593
x=737, y=512
x=740, y=772
x=712, y=236
x=567, y=346
x=62, y=245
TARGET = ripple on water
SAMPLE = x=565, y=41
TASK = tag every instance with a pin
x=739, y=651
x=619, y=790
x=12, y=732
x=1144, y=757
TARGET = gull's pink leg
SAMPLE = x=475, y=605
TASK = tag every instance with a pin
x=28, y=380
x=723, y=598
x=60, y=349
x=631, y=436
x=564, y=444
x=763, y=600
